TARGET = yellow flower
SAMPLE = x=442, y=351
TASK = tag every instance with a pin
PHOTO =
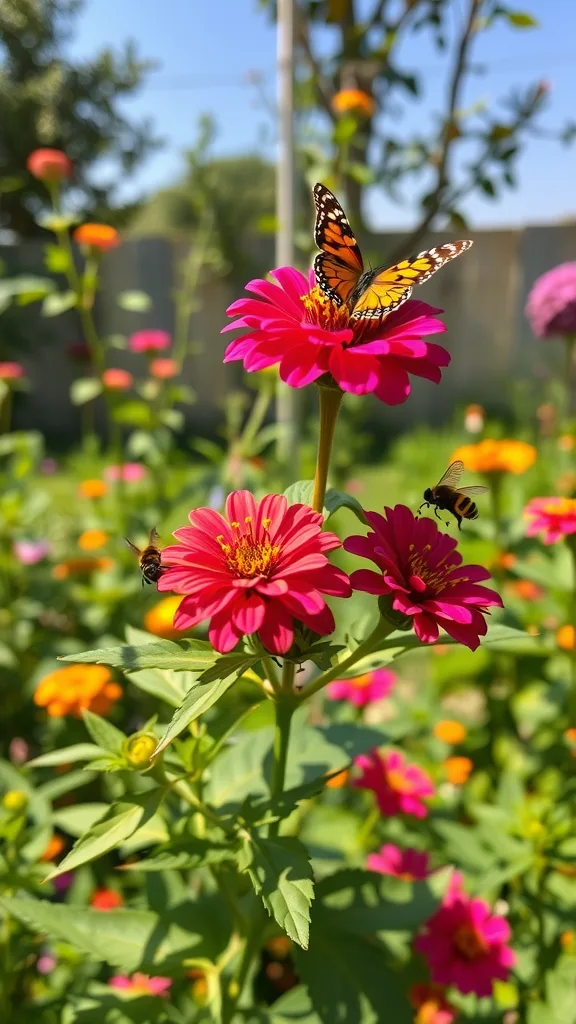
x=160, y=618
x=353, y=101
x=450, y=731
x=458, y=770
x=91, y=540
x=92, y=488
x=565, y=638
x=14, y=801
x=138, y=749
x=491, y=456
x=70, y=690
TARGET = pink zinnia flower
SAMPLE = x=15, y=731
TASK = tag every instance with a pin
x=465, y=944
x=129, y=472
x=554, y=518
x=258, y=569
x=29, y=552
x=11, y=371
x=141, y=984
x=293, y=323
x=409, y=865
x=365, y=689
x=399, y=787
x=431, y=1005
x=421, y=570
x=551, y=306
x=49, y=165
x=149, y=341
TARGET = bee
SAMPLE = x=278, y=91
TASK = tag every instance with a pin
x=149, y=558
x=449, y=496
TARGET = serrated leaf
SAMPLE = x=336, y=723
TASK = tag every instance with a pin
x=227, y=664
x=78, y=818
x=103, y=732
x=134, y=301
x=194, y=655
x=183, y=855
x=200, y=698
x=58, y=302
x=300, y=493
x=167, y=685
x=85, y=389
x=66, y=755
x=281, y=874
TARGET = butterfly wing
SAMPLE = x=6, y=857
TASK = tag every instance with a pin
x=389, y=287
x=452, y=475
x=475, y=489
x=339, y=266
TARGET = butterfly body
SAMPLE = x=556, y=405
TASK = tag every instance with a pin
x=449, y=497
x=340, y=272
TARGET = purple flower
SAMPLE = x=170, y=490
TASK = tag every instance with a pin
x=551, y=306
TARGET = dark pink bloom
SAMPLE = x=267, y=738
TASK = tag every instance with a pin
x=420, y=568
x=141, y=984
x=465, y=944
x=399, y=787
x=410, y=865
x=365, y=689
x=258, y=569
x=551, y=306
x=11, y=371
x=292, y=322
x=149, y=341
x=554, y=518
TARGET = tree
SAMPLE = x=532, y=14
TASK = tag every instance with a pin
x=45, y=100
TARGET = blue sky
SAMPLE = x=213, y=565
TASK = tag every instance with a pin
x=205, y=49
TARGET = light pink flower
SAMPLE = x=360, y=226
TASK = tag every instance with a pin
x=141, y=984
x=554, y=518
x=46, y=963
x=149, y=341
x=421, y=570
x=410, y=865
x=29, y=552
x=465, y=944
x=551, y=306
x=399, y=787
x=129, y=472
x=293, y=323
x=259, y=569
x=365, y=689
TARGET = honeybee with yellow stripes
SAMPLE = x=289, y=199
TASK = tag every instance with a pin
x=449, y=497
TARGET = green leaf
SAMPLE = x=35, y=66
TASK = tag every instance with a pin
x=521, y=19
x=300, y=493
x=66, y=755
x=25, y=289
x=169, y=686
x=134, y=301
x=58, y=302
x=78, y=818
x=229, y=663
x=56, y=259
x=133, y=414
x=103, y=732
x=338, y=499
x=183, y=855
x=200, y=698
x=117, y=825
x=85, y=389
x=283, y=805
x=365, y=902
x=193, y=655
x=281, y=875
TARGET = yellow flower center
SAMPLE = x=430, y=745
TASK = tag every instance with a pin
x=469, y=942
x=361, y=682
x=398, y=781
x=248, y=556
x=434, y=578
x=323, y=311
x=561, y=507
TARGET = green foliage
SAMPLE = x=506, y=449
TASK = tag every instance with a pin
x=281, y=875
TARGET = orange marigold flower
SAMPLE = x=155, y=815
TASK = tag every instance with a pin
x=106, y=899
x=99, y=236
x=92, y=488
x=353, y=101
x=450, y=731
x=53, y=849
x=116, y=379
x=91, y=540
x=491, y=456
x=527, y=590
x=566, y=442
x=160, y=618
x=71, y=690
x=49, y=165
x=164, y=369
x=458, y=770
x=570, y=736
x=79, y=567
x=337, y=781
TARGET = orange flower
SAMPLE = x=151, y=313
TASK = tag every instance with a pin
x=92, y=488
x=279, y=947
x=49, y=165
x=431, y=1004
x=70, y=690
x=99, y=236
x=570, y=736
x=164, y=369
x=458, y=770
x=527, y=590
x=505, y=560
x=106, y=899
x=79, y=567
x=353, y=101
x=116, y=379
x=160, y=618
x=567, y=942
x=337, y=781
x=450, y=731
x=490, y=456
x=566, y=442
x=53, y=849
x=566, y=637
x=91, y=540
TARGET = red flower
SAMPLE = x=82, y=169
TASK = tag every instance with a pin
x=554, y=518
x=99, y=237
x=399, y=787
x=257, y=570
x=117, y=380
x=421, y=570
x=106, y=899
x=49, y=165
x=11, y=371
x=293, y=323
x=149, y=340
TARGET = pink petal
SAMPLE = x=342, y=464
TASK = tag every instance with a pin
x=277, y=630
x=358, y=374
x=394, y=383
x=248, y=614
x=302, y=365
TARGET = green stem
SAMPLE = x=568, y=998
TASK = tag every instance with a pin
x=330, y=401
x=255, y=419
x=252, y=946
x=368, y=645
x=285, y=707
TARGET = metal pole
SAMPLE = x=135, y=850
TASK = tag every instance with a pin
x=286, y=398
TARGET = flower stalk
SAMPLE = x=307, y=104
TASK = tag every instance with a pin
x=368, y=646
x=330, y=397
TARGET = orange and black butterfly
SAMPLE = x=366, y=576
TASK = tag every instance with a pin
x=340, y=272
x=448, y=495
x=149, y=558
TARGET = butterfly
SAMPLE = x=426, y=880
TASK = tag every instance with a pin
x=339, y=267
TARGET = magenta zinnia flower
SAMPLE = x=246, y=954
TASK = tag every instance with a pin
x=141, y=984
x=421, y=570
x=551, y=306
x=465, y=944
x=365, y=689
x=259, y=569
x=554, y=518
x=399, y=787
x=292, y=322
x=150, y=340
x=409, y=865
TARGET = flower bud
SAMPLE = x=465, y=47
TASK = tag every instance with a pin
x=138, y=749
x=14, y=801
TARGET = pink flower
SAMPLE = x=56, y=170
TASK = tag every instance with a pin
x=465, y=944
x=11, y=371
x=164, y=369
x=141, y=984
x=63, y=882
x=129, y=472
x=49, y=165
x=48, y=467
x=431, y=1005
x=116, y=379
x=410, y=865
x=29, y=552
x=554, y=518
x=293, y=323
x=149, y=341
x=46, y=963
x=362, y=690
x=258, y=569
x=422, y=572
x=551, y=306
x=399, y=787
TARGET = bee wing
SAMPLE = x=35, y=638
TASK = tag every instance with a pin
x=475, y=489
x=154, y=537
x=133, y=547
x=452, y=475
